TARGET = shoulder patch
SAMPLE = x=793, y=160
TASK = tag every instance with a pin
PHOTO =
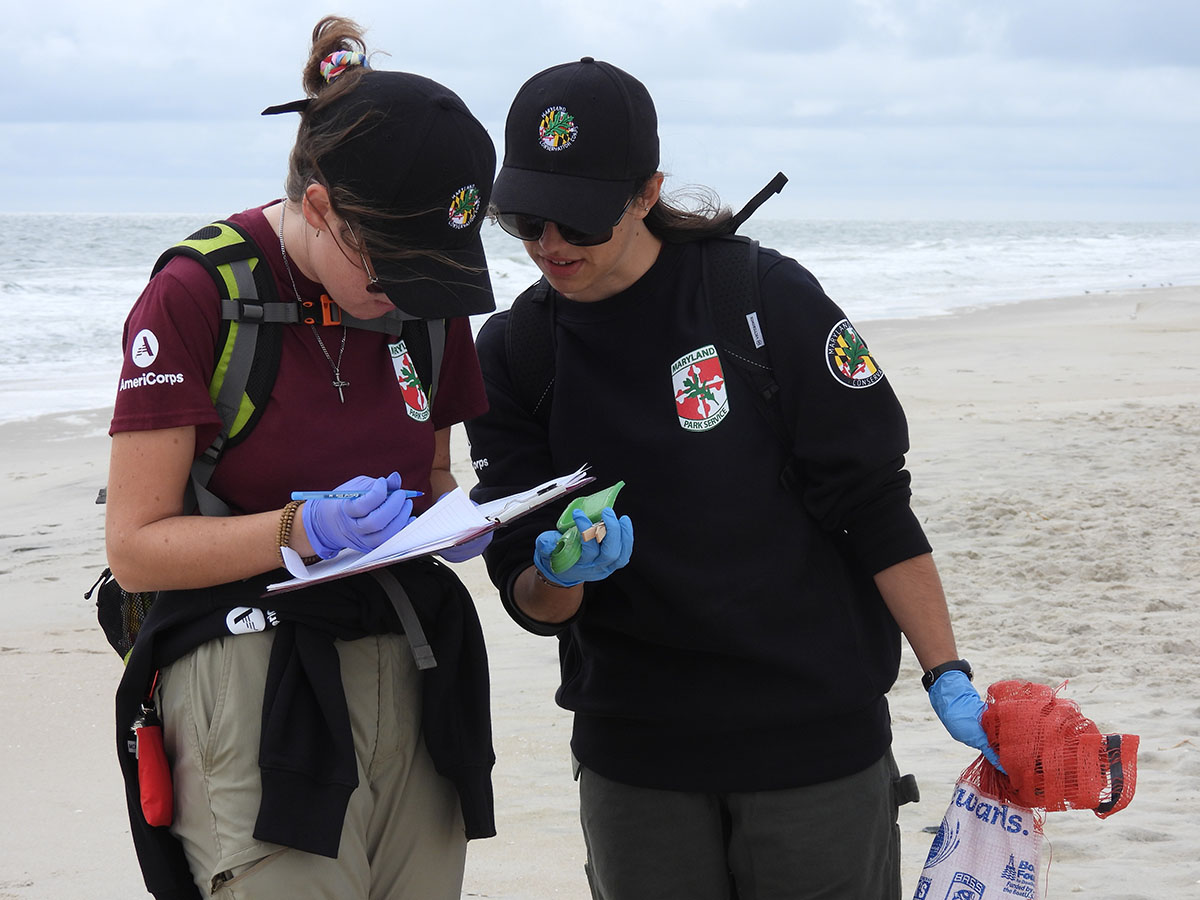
x=850, y=362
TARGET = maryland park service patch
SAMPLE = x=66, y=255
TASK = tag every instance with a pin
x=699, y=382
x=416, y=404
x=850, y=362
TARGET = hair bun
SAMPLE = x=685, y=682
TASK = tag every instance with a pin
x=337, y=62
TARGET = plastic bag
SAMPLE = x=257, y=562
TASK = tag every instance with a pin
x=984, y=848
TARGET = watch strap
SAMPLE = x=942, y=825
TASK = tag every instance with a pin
x=955, y=665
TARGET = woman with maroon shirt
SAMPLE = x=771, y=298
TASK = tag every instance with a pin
x=305, y=755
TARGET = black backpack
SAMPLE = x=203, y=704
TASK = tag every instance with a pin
x=731, y=291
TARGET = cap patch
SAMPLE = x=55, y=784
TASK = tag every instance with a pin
x=850, y=362
x=557, y=130
x=464, y=206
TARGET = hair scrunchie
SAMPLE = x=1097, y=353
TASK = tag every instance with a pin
x=337, y=62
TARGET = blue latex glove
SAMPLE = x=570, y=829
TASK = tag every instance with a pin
x=469, y=550
x=361, y=523
x=596, y=561
x=959, y=706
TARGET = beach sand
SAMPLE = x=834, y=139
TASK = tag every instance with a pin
x=1054, y=467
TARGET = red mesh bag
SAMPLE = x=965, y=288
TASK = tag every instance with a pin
x=1055, y=758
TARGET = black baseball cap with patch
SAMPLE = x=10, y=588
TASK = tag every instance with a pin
x=417, y=155
x=579, y=138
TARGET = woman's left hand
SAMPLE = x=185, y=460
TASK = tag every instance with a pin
x=463, y=552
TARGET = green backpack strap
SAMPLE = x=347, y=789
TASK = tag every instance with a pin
x=248, y=354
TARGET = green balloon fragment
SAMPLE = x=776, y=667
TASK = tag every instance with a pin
x=570, y=546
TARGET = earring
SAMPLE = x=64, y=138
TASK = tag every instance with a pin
x=318, y=232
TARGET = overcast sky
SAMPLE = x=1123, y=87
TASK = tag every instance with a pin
x=1037, y=109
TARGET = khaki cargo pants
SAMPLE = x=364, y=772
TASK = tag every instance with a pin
x=403, y=835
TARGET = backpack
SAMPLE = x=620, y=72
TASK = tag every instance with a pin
x=250, y=342
x=731, y=291
x=249, y=357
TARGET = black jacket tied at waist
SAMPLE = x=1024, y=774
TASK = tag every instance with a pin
x=307, y=753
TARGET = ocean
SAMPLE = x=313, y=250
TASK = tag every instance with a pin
x=68, y=280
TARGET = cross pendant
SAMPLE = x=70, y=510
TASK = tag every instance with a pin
x=339, y=384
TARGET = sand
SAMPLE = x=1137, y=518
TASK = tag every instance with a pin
x=1055, y=469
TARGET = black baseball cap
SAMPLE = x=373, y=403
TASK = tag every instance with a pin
x=578, y=139
x=417, y=155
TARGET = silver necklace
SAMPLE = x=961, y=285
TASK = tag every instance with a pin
x=338, y=381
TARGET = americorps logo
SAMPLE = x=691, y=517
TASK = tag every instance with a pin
x=143, y=350
x=245, y=620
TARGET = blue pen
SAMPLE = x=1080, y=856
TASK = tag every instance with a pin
x=341, y=495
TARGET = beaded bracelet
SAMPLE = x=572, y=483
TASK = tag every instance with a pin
x=284, y=535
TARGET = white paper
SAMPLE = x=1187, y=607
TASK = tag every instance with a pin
x=506, y=509
x=454, y=519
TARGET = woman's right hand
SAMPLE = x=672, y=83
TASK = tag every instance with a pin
x=360, y=523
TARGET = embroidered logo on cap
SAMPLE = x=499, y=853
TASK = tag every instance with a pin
x=850, y=362
x=557, y=130
x=464, y=206
x=143, y=350
x=699, y=383
x=416, y=404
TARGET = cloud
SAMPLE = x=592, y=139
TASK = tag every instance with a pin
x=879, y=102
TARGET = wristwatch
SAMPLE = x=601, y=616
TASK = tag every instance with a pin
x=955, y=665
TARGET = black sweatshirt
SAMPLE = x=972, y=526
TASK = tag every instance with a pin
x=745, y=646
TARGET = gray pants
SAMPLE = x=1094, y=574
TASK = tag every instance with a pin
x=834, y=840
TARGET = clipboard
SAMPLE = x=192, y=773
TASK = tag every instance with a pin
x=453, y=520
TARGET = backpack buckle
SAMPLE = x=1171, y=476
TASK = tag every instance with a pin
x=331, y=313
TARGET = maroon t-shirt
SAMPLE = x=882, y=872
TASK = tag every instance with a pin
x=307, y=439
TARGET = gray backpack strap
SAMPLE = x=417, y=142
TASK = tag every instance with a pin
x=276, y=313
x=422, y=652
x=228, y=399
x=389, y=323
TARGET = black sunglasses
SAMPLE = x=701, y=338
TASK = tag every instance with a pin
x=530, y=228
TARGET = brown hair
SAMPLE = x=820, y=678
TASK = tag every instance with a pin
x=317, y=135
x=331, y=34
x=691, y=214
